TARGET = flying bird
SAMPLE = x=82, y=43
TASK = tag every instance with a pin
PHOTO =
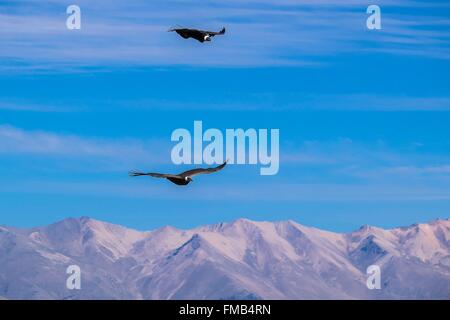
x=199, y=35
x=183, y=178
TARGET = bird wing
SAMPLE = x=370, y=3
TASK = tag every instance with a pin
x=197, y=34
x=190, y=33
x=213, y=33
x=194, y=172
x=183, y=32
x=151, y=174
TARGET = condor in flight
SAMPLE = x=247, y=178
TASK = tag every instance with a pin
x=183, y=178
x=199, y=35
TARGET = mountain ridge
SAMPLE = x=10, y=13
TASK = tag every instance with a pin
x=240, y=259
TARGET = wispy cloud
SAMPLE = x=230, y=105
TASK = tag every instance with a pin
x=371, y=102
x=261, y=33
x=116, y=152
x=441, y=169
x=33, y=107
x=340, y=170
x=273, y=192
x=368, y=163
x=289, y=101
x=342, y=155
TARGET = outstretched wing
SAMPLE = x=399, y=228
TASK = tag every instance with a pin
x=190, y=33
x=194, y=172
x=151, y=174
x=185, y=35
x=213, y=33
x=197, y=35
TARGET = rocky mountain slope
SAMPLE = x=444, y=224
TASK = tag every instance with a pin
x=239, y=260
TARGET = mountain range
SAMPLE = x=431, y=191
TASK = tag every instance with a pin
x=243, y=259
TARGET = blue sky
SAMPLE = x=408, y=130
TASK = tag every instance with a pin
x=363, y=115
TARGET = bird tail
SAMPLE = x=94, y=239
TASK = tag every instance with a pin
x=222, y=31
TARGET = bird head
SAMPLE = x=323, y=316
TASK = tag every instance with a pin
x=207, y=37
x=189, y=179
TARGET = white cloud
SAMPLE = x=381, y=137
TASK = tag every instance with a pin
x=40, y=143
x=262, y=191
x=26, y=106
x=259, y=33
x=366, y=172
x=438, y=169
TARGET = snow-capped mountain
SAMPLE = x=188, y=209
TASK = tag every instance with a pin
x=239, y=260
